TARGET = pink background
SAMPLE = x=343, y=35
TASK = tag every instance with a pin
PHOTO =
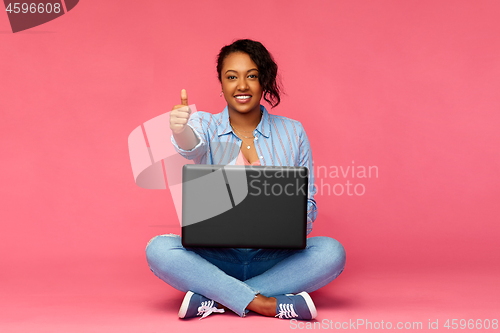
x=408, y=86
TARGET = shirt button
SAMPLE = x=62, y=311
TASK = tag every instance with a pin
x=261, y=156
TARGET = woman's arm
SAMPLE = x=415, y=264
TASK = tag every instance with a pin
x=305, y=159
x=186, y=140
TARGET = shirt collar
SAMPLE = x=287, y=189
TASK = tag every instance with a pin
x=263, y=128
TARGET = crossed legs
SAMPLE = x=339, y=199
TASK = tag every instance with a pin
x=233, y=277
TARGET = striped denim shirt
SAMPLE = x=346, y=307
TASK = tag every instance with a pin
x=279, y=141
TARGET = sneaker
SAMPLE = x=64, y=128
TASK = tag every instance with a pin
x=298, y=306
x=197, y=305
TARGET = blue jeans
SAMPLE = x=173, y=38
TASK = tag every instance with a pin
x=232, y=277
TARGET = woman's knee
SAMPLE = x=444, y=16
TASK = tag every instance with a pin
x=159, y=247
x=331, y=250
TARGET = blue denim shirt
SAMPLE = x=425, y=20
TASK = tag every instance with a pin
x=280, y=141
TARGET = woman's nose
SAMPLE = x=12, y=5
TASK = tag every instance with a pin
x=242, y=84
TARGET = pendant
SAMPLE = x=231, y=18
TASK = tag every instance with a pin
x=248, y=147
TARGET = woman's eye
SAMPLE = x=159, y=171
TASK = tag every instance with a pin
x=232, y=77
x=252, y=76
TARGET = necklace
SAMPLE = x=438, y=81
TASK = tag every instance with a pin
x=248, y=137
x=241, y=132
x=248, y=146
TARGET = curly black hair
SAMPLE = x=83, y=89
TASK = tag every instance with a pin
x=268, y=70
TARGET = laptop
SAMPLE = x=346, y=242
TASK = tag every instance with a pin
x=238, y=206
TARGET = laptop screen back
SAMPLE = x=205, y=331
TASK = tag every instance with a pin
x=244, y=206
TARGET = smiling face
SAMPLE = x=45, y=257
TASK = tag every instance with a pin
x=240, y=83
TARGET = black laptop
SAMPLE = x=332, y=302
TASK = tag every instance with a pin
x=242, y=206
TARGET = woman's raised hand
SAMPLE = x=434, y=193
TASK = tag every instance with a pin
x=179, y=115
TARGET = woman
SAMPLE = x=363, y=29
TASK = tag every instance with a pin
x=242, y=280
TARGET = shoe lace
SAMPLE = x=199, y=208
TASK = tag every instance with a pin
x=286, y=311
x=207, y=308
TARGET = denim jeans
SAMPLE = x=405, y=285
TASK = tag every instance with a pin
x=232, y=277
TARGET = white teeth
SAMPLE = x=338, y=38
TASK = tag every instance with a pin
x=243, y=97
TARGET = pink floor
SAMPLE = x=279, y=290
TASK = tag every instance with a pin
x=92, y=295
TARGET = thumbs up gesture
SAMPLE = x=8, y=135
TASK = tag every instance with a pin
x=179, y=115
